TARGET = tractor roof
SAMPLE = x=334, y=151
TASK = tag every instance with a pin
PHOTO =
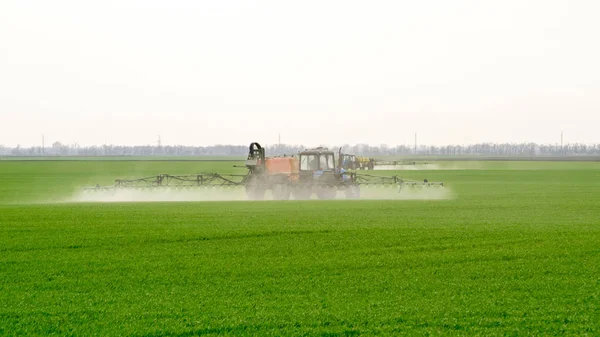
x=318, y=150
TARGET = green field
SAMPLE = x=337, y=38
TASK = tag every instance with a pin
x=514, y=251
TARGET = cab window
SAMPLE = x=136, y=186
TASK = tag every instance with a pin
x=309, y=162
x=326, y=162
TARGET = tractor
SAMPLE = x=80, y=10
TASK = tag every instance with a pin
x=311, y=171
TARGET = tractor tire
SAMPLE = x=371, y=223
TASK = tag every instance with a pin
x=301, y=193
x=281, y=192
x=255, y=189
x=255, y=192
x=326, y=193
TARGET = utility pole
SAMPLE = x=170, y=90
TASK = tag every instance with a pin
x=43, y=145
x=159, y=142
x=279, y=144
x=562, y=149
x=415, y=143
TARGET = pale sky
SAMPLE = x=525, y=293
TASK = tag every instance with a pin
x=316, y=72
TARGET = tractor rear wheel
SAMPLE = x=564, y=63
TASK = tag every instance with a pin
x=301, y=193
x=326, y=192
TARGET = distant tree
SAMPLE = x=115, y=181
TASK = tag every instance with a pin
x=480, y=149
x=17, y=150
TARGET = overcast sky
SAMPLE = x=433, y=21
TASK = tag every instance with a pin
x=316, y=72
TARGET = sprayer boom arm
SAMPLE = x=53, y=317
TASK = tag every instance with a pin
x=368, y=179
x=167, y=180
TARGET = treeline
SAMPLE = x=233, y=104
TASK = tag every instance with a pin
x=483, y=149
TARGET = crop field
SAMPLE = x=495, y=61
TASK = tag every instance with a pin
x=514, y=249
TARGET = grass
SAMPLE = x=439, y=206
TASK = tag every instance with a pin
x=36, y=181
x=517, y=252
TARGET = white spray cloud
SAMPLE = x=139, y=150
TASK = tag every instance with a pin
x=238, y=194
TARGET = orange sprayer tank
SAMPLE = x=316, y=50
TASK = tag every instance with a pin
x=282, y=165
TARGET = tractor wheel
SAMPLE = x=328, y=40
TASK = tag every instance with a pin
x=281, y=192
x=255, y=192
x=255, y=189
x=353, y=192
x=301, y=193
x=327, y=193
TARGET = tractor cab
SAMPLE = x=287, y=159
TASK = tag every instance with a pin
x=315, y=160
x=318, y=174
